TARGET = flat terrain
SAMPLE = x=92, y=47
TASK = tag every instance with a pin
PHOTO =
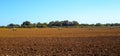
x=64, y=32
x=60, y=42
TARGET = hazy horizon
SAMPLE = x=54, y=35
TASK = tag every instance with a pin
x=83, y=11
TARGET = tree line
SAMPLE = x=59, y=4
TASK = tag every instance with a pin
x=54, y=24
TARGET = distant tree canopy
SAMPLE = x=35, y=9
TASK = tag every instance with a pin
x=13, y=25
x=65, y=23
x=26, y=24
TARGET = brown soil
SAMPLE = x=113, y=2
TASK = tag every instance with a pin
x=65, y=42
x=72, y=46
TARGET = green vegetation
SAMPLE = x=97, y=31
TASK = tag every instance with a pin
x=54, y=24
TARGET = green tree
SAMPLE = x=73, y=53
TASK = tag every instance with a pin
x=44, y=25
x=51, y=23
x=65, y=23
x=39, y=25
x=75, y=23
x=13, y=25
x=26, y=24
x=98, y=24
x=34, y=25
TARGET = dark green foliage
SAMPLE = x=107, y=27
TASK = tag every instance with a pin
x=65, y=23
x=99, y=24
x=3, y=26
x=41, y=25
x=44, y=25
x=13, y=26
x=38, y=25
x=26, y=24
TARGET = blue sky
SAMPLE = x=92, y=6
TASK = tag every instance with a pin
x=83, y=11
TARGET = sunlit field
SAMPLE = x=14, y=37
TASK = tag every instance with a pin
x=59, y=32
x=88, y=41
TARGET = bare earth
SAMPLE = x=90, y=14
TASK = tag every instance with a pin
x=65, y=42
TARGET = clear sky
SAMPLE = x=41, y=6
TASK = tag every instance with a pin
x=83, y=11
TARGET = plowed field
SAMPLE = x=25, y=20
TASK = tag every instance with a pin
x=60, y=42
